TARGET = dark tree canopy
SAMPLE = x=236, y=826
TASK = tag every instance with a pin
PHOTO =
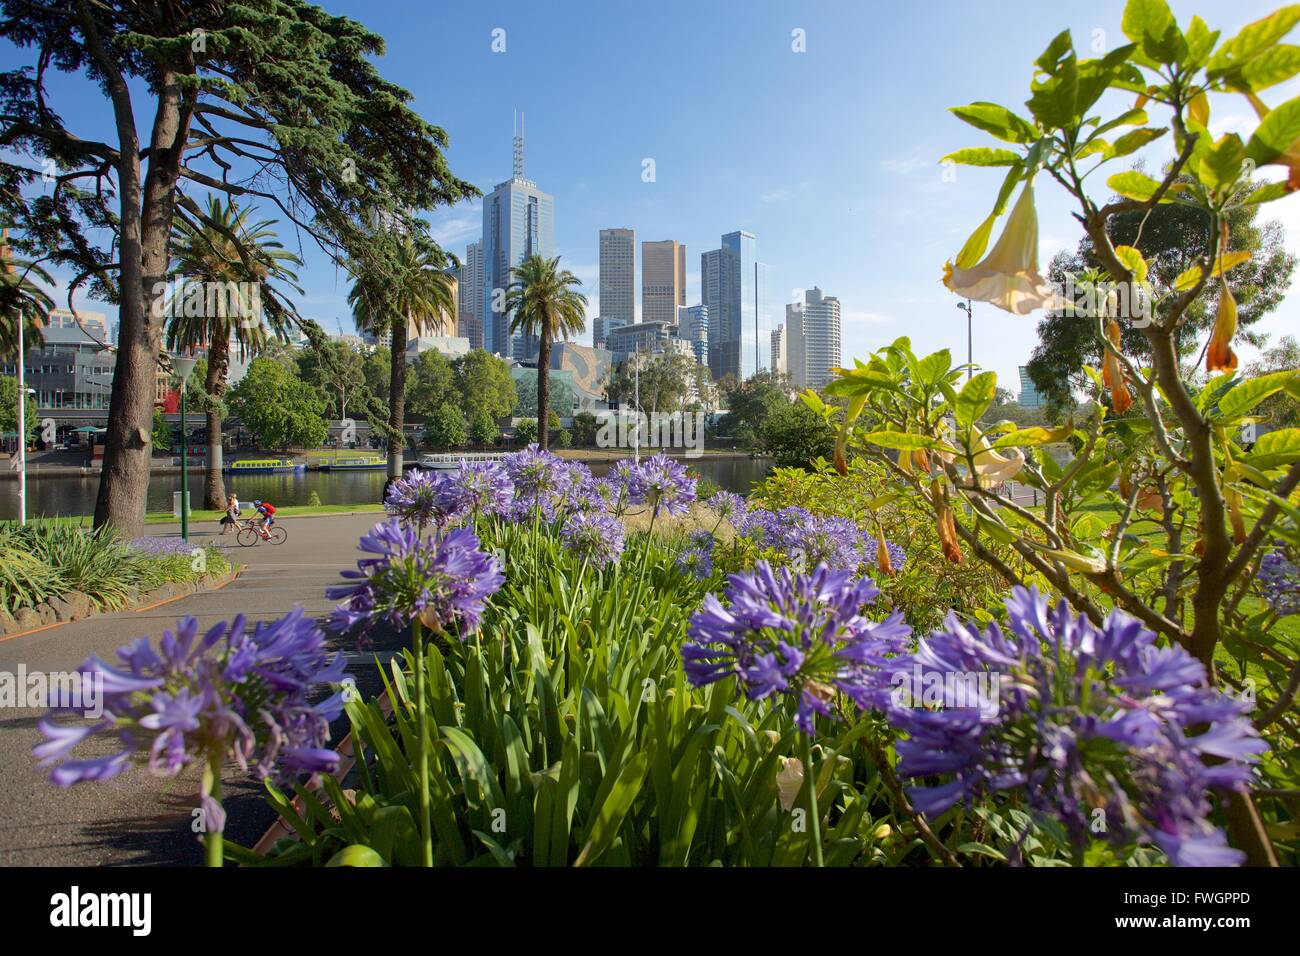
x=1172, y=238
x=270, y=101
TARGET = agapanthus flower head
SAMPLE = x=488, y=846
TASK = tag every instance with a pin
x=484, y=487
x=698, y=557
x=593, y=537
x=443, y=581
x=537, y=476
x=580, y=491
x=233, y=691
x=1280, y=580
x=825, y=539
x=425, y=498
x=663, y=484
x=727, y=504
x=800, y=636
x=1078, y=718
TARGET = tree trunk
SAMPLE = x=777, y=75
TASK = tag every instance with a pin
x=544, y=388
x=214, y=490
x=397, y=398
x=144, y=245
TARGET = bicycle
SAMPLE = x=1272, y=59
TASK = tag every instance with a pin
x=249, y=534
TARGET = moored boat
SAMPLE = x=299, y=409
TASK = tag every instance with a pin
x=264, y=466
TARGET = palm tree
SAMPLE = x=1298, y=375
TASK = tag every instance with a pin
x=542, y=301
x=225, y=246
x=403, y=285
x=23, y=303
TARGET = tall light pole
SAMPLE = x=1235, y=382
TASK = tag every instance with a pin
x=22, y=424
x=182, y=366
x=970, y=360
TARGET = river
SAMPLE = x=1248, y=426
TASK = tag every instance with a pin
x=76, y=496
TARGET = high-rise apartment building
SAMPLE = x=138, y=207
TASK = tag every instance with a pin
x=821, y=337
x=811, y=339
x=779, y=365
x=733, y=286
x=617, y=296
x=518, y=221
x=663, y=280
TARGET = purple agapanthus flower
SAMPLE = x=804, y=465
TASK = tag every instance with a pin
x=1078, y=718
x=593, y=537
x=1280, y=580
x=663, y=484
x=233, y=692
x=156, y=546
x=538, y=477
x=426, y=499
x=825, y=539
x=727, y=505
x=802, y=636
x=444, y=581
x=484, y=487
x=698, y=557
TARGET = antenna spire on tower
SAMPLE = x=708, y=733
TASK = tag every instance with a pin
x=519, y=146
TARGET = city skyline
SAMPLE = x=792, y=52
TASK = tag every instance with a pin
x=869, y=212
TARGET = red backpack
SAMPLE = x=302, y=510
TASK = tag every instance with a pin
x=268, y=507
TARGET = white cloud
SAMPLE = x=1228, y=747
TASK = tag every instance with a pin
x=458, y=226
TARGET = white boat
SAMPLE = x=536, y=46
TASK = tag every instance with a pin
x=451, y=461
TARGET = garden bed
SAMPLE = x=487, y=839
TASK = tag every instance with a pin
x=53, y=573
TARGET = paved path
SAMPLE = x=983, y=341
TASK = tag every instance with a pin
x=137, y=818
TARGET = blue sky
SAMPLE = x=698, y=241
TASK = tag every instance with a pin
x=829, y=156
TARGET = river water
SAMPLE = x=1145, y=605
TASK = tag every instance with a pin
x=76, y=496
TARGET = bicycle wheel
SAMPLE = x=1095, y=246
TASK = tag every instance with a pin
x=247, y=537
x=278, y=535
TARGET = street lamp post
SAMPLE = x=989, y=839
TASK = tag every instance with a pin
x=22, y=426
x=182, y=366
x=970, y=359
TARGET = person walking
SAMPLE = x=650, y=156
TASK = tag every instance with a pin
x=231, y=518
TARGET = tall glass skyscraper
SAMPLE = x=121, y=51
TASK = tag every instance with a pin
x=734, y=287
x=518, y=221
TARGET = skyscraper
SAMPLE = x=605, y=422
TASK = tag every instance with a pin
x=663, y=280
x=796, y=365
x=1030, y=397
x=617, y=296
x=518, y=221
x=734, y=290
x=779, y=365
x=693, y=326
x=821, y=337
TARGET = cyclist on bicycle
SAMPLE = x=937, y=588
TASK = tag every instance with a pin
x=267, y=512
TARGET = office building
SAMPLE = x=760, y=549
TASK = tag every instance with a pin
x=779, y=365
x=518, y=221
x=617, y=293
x=733, y=286
x=663, y=280
x=1030, y=397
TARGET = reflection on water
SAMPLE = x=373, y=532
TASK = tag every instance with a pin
x=76, y=496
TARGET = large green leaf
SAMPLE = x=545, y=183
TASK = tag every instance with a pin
x=975, y=397
x=983, y=156
x=997, y=120
x=614, y=808
x=1242, y=398
x=1276, y=133
x=1274, y=449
